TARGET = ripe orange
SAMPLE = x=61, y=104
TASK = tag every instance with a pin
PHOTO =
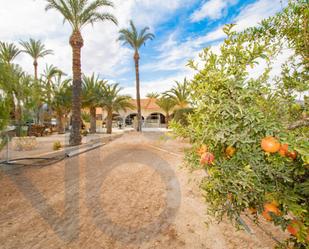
x=230, y=151
x=270, y=208
x=203, y=149
x=293, y=227
x=292, y=155
x=270, y=144
x=207, y=158
x=283, y=151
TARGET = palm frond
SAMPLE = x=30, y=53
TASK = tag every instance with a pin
x=79, y=13
x=8, y=52
x=35, y=48
x=134, y=38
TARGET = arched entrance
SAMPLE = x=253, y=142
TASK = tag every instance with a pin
x=155, y=120
x=130, y=118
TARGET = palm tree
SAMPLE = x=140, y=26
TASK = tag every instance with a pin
x=167, y=105
x=90, y=97
x=180, y=94
x=152, y=95
x=36, y=49
x=47, y=79
x=8, y=52
x=20, y=88
x=79, y=13
x=50, y=73
x=112, y=101
x=136, y=39
x=61, y=102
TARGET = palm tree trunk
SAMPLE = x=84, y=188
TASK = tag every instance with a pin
x=167, y=119
x=13, y=106
x=93, y=127
x=35, y=64
x=76, y=42
x=18, y=116
x=109, y=122
x=60, y=124
x=138, y=96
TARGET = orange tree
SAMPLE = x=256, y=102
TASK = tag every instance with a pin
x=244, y=131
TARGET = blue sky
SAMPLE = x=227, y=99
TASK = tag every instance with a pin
x=182, y=28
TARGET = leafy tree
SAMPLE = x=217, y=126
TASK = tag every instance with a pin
x=19, y=90
x=4, y=119
x=112, y=101
x=8, y=52
x=50, y=74
x=61, y=101
x=4, y=113
x=79, y=13
x=233, y=115
x=90, y=97
x=167, y=105
x=36, y=49
x=180, y=94
x=135, y=40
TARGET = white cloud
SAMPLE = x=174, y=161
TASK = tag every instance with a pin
x=21, y=19
x=174, y=55
x=159, y=85
x=249, y=16
x=212, y=9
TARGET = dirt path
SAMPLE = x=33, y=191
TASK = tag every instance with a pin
x=130, y=193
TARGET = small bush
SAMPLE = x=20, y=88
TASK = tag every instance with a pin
x=57, y=145
x=84, y=133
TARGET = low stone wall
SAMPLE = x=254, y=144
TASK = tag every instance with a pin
x=24, y=143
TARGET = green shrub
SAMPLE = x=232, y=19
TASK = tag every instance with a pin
x=181, y=115
x=57, y=145
x=233, y=110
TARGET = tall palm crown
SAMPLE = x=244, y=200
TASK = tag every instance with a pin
x=180, y=94
x=36, y=49
x=8, y=52
x=90, y=97
x=79, y=13
x=136, y=39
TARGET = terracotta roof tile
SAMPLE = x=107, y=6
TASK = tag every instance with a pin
x=147, y=104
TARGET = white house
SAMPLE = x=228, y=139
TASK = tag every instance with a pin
x=152, y=115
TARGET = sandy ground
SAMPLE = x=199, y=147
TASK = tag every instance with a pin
x=45, y=145
x=129, y=194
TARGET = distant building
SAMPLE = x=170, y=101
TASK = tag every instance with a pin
x=152, y=114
